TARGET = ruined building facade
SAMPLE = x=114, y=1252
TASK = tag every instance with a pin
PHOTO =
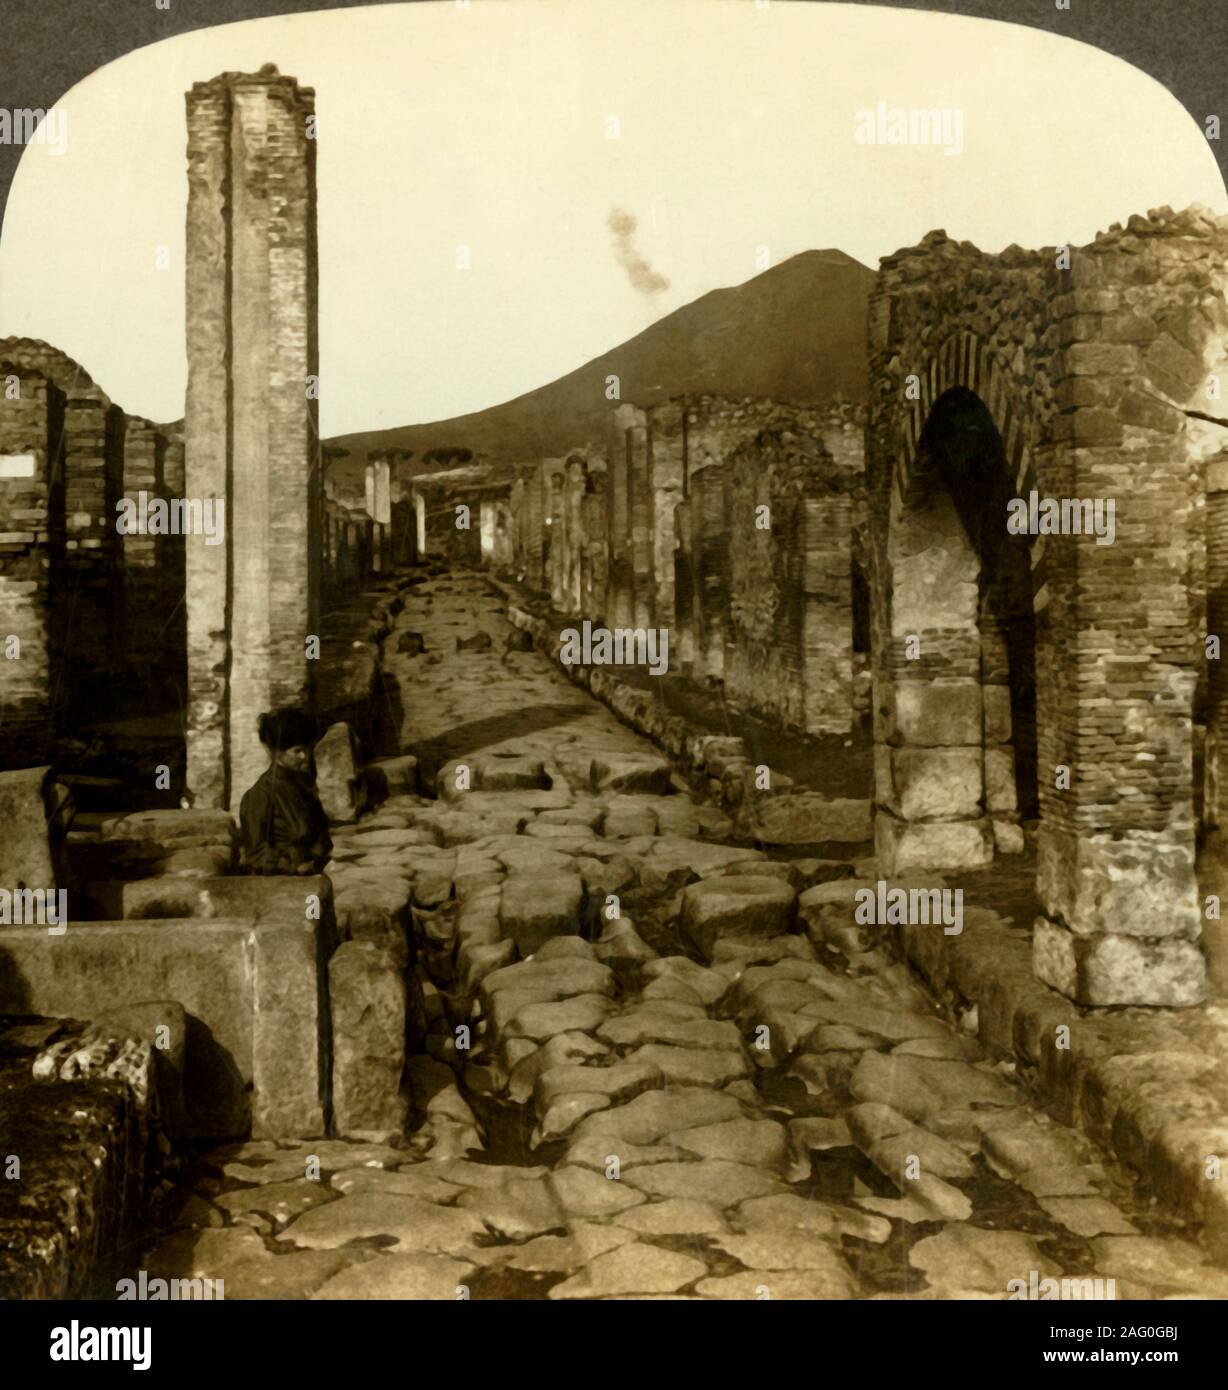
x=89, y=613
x=1053, y=675
x=735, y=525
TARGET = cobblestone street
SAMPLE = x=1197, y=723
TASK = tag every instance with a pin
x=725, y=1091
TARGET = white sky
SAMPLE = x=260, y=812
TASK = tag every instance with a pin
x=441, y=126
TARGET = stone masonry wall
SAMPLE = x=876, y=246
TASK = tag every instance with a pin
x=1094, y=364
x=30, y=424
x=93, y=608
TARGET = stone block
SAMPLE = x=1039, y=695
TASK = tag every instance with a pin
x=736, y=908
x=368, y=1005
x=394, y=776
x=996, y=701
x=1008, y=837
x=1104, y=968
x=827, y=912
x=253, y=1037
x=290, y=1030
x=532, y=909
x=1000, y=793
x=254, y=898
x=935, y=714
x=805, y=818
x=25, y=858
x=165, y=827
x=337, y=773
x=1141, y=883
x=905, y=846
x=631, y=773
x=936, y=783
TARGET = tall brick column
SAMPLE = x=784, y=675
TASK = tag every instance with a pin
x=251, y=433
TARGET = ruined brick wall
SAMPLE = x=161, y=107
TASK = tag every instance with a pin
x=1090, y=362
x=769, y=611
x=112, y=604
x=251, y=427
x=31, y=537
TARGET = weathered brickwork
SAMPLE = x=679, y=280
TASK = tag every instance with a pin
x=732, y=525
x=31, y=426
x=1090, y=363
x=93, y=609
x=251, y=423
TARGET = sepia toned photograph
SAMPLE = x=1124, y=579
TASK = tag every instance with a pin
x=610, y=670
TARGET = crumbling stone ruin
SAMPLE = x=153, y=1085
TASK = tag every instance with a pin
x=563, y=919
x=87, y=610
x=649, y=532
x=1052, y=673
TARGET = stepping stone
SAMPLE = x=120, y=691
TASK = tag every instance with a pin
x=892, y=1025
x=922, y=1089
x=657, y=1113
x=621, y=1082
x=582, y=1192
x=783, y=1250
x=620, y=942
x=464, y=1172
x=656, y=1022
x=582, y=1014
x=677, y=1216
x=761, y=1143
x=564, y=948
x=972, y=1258
x=707, y=984
x=787, y=1212
x=420, y=1276
x=713, y=1180
x=280, y=1201
x=1018, y=1148
x=595, y=1151
x=265, y=1160
x=1161, y=1264
x=551, y=977
x=416, y=1181
x=534, y=907
x=889, y=1140
x=336, y=773
x=562, y=1048
x=631, y=1269
x=692, y=1066
x=411, y=1223
x=735, y=908
x=561, y=1116
x=1088, y=1216
x=517, y=1207
x=671, y=990
x=547, y=1254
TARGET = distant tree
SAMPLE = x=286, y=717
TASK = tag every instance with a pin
x=449, y=453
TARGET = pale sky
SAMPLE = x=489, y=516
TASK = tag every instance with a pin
x=488, y=127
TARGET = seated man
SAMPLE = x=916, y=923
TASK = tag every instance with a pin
x=285, y=830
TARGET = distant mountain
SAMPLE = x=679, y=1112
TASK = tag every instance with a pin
x=796, y=332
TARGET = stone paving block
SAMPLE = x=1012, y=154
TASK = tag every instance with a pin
x=336, y=762
x=368, y=1001
x=533, y=910
x=735, y=908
